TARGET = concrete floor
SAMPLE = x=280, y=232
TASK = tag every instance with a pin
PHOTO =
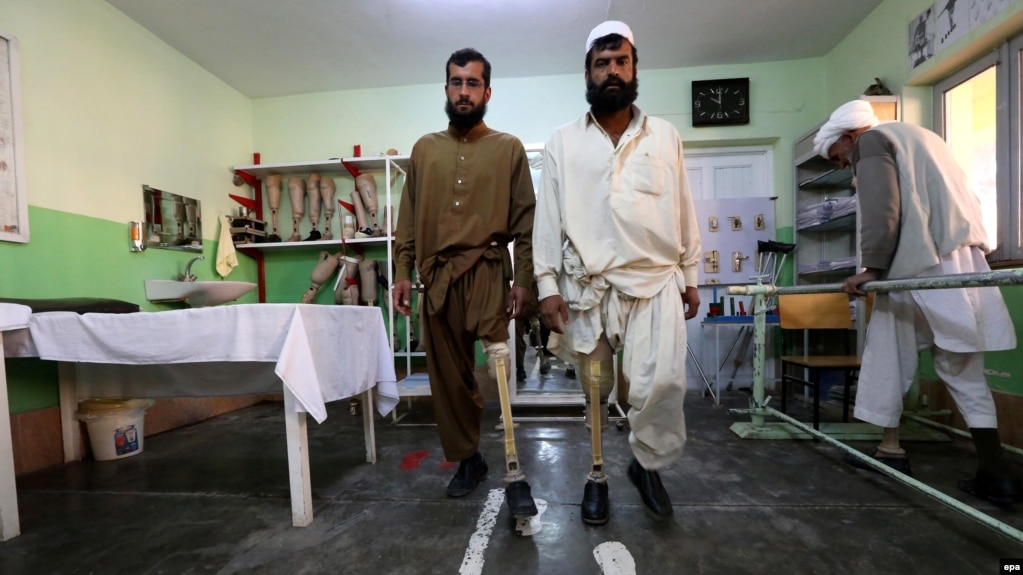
x=213, y=498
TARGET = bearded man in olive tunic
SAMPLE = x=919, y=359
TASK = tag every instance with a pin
x=468, y=193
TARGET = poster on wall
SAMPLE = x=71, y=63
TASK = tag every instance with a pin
x=730, y=230
x=921, y=38
x=951, y=22
x=983, y=10
x=13, y=201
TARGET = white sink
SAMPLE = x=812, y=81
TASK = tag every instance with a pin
x=196, y=294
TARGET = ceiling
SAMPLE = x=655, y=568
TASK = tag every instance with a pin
x=266, y=48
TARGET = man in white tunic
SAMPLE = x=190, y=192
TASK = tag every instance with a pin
x=615, y=252
x=918, y=217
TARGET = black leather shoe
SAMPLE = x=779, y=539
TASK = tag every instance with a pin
x=596, y=509
x=520, y=501
x=470, y=472
x=651, y=490
x=520, y=374
x=900, y=464
x=1001, y=492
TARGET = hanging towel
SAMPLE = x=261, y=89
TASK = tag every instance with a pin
x=226, y=257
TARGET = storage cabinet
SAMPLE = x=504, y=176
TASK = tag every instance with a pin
x=825, y=217
x=826, y=239
x=392, y=171
x=825, y=222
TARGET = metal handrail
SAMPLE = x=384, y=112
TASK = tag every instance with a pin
x=760, y=410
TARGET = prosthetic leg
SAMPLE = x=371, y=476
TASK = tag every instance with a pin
x=312, y=191
x=362, y=229
x=296, y=191
x=541, y=355
x=325, y=268
x=367, y=187
x=346, y=291
x=273, y=195
x=327, y=191
x=516, y=490
x=597, y=378
x=368, y=280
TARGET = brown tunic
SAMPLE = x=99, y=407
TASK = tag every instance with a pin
x=465, y=197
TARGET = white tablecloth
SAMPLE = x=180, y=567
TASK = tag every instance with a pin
x=14, y=316
x=321, y=353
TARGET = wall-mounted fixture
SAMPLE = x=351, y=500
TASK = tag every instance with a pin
x=173, y=222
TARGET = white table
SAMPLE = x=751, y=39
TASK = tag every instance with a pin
x=12, y=317
x=745, y=324
x=319, y=353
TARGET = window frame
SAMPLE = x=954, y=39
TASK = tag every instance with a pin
x=1006, y=60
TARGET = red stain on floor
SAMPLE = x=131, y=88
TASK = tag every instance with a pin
x=447, y=465
x=412, y=460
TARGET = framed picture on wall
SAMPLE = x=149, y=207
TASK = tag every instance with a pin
x=13, y=193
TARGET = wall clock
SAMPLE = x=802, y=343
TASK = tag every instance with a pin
x=721, y=102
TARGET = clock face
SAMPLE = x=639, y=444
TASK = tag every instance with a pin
x=721, y=102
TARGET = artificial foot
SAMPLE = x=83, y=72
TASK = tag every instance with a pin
x=651, y=490
x=595, y=507
x=470, y=472
x=520, y=501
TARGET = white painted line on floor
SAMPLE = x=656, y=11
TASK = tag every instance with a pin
x=614, y=559
x=472, y=562
x=531, y=525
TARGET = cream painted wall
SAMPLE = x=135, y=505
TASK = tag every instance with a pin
x=878, y=48
x=787, y=100
x=107, y=107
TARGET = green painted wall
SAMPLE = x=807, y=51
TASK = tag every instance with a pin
x=106, y=108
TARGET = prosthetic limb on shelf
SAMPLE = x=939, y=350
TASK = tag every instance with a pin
x=516, y=490
x=367, y=187
x=312, y=191
x=368, y=280
x=273, y=195
x=296, y=191
x=361, y=219
x=346, y=290
x=324, y=268
x=327, y=191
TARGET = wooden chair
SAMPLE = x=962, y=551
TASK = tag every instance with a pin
x=816, y=311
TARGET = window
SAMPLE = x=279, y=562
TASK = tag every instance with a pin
x=977, y=112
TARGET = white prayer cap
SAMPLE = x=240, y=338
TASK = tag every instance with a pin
x=849, y=116
x=609, y=27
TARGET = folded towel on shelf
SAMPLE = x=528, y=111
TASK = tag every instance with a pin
x=227, y=259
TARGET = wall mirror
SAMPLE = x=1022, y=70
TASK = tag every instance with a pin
x=173, y=222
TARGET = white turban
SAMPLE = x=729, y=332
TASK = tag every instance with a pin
x=609, y=27
x=849, y=116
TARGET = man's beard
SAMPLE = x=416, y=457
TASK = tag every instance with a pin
x=465, y=120
x=604, y=101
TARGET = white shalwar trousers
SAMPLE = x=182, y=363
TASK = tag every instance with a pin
x=652, y=336
x=957, y=325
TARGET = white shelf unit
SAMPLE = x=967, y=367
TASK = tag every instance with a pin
x=826, y=245
x=390, y=167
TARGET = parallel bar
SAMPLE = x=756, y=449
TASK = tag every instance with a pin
x=954, y=430
x=760, y=409
x=979, y=279
x=1004, y=529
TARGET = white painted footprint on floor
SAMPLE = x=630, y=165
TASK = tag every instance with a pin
x=614, y=559
x=531, y=525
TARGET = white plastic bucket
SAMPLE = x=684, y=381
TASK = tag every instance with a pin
x=115, y=426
